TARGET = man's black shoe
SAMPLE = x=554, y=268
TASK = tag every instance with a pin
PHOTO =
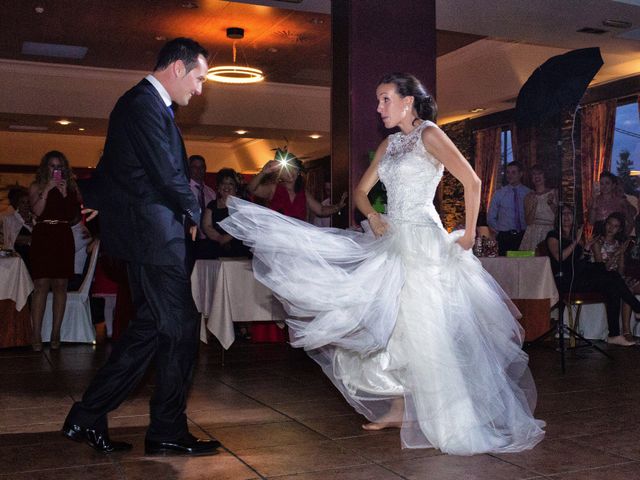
x=187, y=446
x=97, y=440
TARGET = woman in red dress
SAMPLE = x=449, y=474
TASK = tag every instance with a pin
x=288, y=195
x=55, y=202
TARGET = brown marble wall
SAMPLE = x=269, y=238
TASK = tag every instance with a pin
x=451, y=194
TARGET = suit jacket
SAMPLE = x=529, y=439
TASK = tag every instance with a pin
x=141, y=185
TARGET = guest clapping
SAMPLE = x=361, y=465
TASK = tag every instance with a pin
x=288, y=195
x=609, y=199
x=55, y=202
x=609, y=249
x=540, y=206
x=579, y=275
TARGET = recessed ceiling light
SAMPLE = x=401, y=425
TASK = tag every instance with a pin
x=189, y=5
x=616, y=23
x=272, y=50
x=81, y=129
x=477, y=110
x=160, y=38
x=39, y=9
x=54, y=50
x=64, y=122
x=317, y=21
x=315, y=136
x=30, y=128
x=241, y=132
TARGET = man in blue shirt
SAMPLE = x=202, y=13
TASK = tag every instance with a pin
x=506, y=213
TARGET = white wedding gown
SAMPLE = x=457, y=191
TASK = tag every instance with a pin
x=410, y=314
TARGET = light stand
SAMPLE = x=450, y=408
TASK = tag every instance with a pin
x=561, y=328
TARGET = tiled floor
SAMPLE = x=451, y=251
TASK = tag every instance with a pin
x=278, y=417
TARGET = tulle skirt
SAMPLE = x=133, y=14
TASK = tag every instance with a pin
x=409, y=316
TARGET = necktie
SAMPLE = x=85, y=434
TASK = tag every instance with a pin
x=201, y=197
x=516, y=208
x=171, y=111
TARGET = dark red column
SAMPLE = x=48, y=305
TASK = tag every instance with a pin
x=370, y=39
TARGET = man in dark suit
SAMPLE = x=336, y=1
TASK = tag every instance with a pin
x=141, y=190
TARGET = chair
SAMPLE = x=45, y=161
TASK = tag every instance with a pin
x=577, y=299
x=77, y=325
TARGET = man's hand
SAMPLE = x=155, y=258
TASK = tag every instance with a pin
x=193, y=231
x=90, y=212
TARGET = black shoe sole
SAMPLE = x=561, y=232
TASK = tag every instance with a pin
x=167, y=452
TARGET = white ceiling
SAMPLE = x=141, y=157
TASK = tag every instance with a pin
x=521, y=34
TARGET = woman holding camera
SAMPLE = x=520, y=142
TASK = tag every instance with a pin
x=288, y=195
x=55, y=202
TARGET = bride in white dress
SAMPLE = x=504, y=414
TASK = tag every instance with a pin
x=403, y=319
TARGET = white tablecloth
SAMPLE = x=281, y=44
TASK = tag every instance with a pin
x=225, y=291
x=15, y=281
x=528, y=278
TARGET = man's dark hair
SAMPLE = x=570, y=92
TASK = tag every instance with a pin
x=181, y=48
x=15, y=194
x=516, y=164
x=197, y=158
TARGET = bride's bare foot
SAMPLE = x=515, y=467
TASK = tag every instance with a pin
x=391, y=419
x=374, y=426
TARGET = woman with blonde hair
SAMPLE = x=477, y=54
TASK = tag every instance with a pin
x=55, y=202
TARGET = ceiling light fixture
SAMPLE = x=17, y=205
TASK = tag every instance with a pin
x=477, y=110
x=81, y=129
x=64, y=122
x=241, y=132
x=315, y=136
x=616, y=23
x=235, y=73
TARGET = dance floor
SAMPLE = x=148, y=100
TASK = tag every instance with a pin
x=278, y=417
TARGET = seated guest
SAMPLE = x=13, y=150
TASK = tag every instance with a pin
x=18, y=225
x=506, y=212
x=579, y=275
x=222, y=244
x=609, y=249
x=608, y=198
x=288, y=194
x=540, y=207
x=204, y=194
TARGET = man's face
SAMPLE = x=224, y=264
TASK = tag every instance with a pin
x=514, y=175
x=189, y=83
x=197, y=169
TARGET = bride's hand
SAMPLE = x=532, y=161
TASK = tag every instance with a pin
x=378, y=226
x=466, y=242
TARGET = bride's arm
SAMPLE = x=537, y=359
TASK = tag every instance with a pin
x=441, y=147
x=367, y=182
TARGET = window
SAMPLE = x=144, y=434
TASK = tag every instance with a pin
x=506, y=151
x=625, y=156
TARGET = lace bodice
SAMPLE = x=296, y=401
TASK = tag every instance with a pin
x=411, y=176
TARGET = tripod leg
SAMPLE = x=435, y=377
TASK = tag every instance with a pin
x=561, y=346
x=588, y=342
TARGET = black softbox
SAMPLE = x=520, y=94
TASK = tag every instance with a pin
x=557, y=84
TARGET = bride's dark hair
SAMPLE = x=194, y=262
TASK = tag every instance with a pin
x=407, y=85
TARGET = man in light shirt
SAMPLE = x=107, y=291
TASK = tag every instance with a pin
x=506, y=213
